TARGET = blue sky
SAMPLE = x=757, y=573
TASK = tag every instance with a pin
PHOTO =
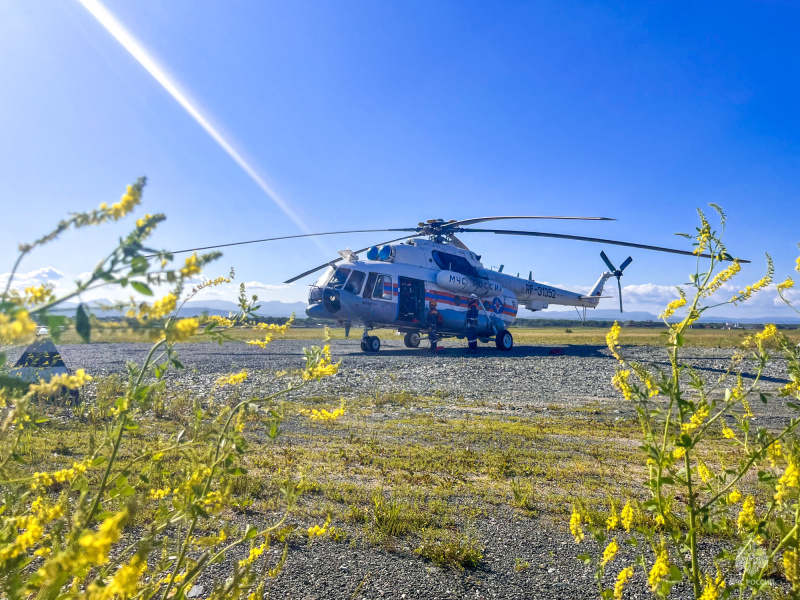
x=366, y=115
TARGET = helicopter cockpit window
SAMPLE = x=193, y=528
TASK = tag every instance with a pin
x=355, y=282
x=383, y=288
x=452, y=262
x=338, y=279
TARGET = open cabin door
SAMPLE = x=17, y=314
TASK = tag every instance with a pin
x=410, y=300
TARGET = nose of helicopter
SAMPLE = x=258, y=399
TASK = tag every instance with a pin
x=318, y=311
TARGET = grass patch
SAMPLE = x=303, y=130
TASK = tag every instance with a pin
x=449, y=548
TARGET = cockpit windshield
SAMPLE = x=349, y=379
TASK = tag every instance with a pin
x=337, y=282
x=326, y=277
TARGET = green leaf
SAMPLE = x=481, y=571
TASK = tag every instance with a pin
x=238, y=471
x=82, y=325
x=763, y=397
x=177, y=364
x=142, y=288
x=250, y=532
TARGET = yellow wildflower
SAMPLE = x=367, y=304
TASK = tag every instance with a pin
x=659, y=571
x=623, y=578
x=613, y=520
x=620, y=382
x=191, y=266
x=317, y=531
x=610, y=552
x=184, y=329
x=697, y=419
x=612, y=340
x=703, y=235
x=790, y=478
x=747, y=516
x=58, y=382
x=722, y=277
x=770, y=331
x=221, y=321
x=124, y=584
x=261, y=343
x=734, y=496
x=627, y=516
x=728, y=433
x=786, y=285
x=660, y=521
x=748, y=291
x=791, y=566
x=39, y=294
x=159, y=494
x=712, y=587
x=18, y=329
x=233, y=379
x=704, y=472
x=255, y=552
x=96, y=546
x=679, y=452
x=774, y=453
x=576, y=526
x=323, y=415
x=129, y=201
x=674, y=305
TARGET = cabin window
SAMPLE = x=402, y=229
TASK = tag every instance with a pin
x=370, y=285
x=383, y=287
x=338, y=279
x=452, y=262
x=355, y=282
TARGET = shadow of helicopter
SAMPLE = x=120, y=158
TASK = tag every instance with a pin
x=486, y=352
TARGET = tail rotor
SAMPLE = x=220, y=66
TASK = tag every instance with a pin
x=617, y=272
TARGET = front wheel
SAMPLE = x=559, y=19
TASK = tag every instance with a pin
x=411, y=340
x=373, y=343
x=504, y=341
x=364, y=346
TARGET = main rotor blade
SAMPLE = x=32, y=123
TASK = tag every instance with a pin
x=288, y=237
x=484, y=219
x=581, y=238
x=333, y=262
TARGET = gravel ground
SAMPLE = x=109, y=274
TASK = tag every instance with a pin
x=528, y=379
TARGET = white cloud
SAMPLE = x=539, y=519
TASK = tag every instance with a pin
x=37, y=277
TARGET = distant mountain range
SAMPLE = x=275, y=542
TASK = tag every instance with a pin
x=276, y=308
x=609, y=314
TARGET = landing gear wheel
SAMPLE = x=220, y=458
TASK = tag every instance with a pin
x=364, y=347
x=504, y=340
x=411, y=340
x=373, y=343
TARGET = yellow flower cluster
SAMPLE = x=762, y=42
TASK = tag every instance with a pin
x=33, y=295
x=705, y=473
x=323, y=368
x=191, y=266
x=221, y=321
x=18, y=329
x=64, y=475
x=712, y=587
x=184, y=329
x=627, y=516
x=317, y=531
x=789, y=479
x=722, y=277
x=274, y=327
x=728, y=433
x=620, y=381
x=622, y=579
x=612, y=340
x=576, y=526
x=233, y=379
x=96, y=546
x=159, y=494
x=159, y=309
x=747, y=516
x=786, y=285
x=659, y=571
x=323, y=415
x=129, y=201
x=673, y=306
x=791, y=566
x=124, y=584
x=610, y=552
x=58, y=382
x=255, y=552
x=749, y=290
x=261, y=343
x=734, y=496
x=774, y=451
x=613, y=519
x=700, y=415
x=770, y=332
x=704, y=234
x=679, y=452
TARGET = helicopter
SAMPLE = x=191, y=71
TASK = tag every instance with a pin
x=396, y=281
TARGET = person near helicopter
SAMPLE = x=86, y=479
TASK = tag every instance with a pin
x=435, y=319
x=472, y=324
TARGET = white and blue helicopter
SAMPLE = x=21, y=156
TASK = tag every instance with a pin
x=393, y=285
